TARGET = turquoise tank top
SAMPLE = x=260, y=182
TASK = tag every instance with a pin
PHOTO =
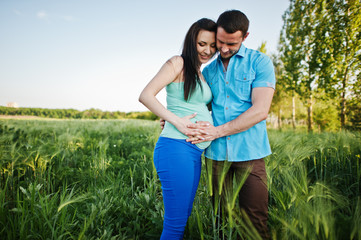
x=196, y=103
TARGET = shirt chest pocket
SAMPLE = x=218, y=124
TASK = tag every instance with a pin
x=243, y=86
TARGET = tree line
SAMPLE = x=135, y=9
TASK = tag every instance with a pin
x=318, y=63
x=75, y=114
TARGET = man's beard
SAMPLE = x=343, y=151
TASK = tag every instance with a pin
x=232, y=53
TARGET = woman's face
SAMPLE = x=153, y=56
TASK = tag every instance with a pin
x=206, y=45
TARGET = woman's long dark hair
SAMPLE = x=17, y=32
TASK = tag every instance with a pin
x=190, y=55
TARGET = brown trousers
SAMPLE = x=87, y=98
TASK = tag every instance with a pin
x=253, y=194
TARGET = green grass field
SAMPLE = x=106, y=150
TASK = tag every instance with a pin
x=85, y=179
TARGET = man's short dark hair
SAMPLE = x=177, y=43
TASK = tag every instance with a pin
x=232, y=21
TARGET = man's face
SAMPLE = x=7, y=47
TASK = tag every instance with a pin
x=228, y=44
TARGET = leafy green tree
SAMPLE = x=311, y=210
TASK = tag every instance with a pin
x=281, y=90
x=342, y=39
x=289, y=55
x=326, y=114
x=354, y=107
x=301, y=48
x=320, y=48
x=262, y=48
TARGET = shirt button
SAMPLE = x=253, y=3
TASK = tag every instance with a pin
x=228, y=138
x=226, y=82
x=227, y=96
x=245, y=78
x=226, y=108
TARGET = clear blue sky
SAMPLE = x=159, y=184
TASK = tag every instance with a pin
x=86, y=54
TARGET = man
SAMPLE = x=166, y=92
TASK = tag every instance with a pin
x=242, y=82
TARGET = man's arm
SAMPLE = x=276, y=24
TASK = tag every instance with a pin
x=261, y=103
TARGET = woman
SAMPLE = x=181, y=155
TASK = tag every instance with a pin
x=178, y=162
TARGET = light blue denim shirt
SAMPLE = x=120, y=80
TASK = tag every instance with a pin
x=232, y=90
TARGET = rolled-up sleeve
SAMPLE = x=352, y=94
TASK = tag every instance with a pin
x=265, y=74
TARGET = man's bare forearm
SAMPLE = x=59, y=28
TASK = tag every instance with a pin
x=242, y=123
x=262, y=98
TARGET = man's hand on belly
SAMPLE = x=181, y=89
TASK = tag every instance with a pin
x=206, y=132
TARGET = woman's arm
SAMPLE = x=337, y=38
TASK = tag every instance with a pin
x=170, y=71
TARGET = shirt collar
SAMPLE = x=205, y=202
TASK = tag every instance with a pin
x=242, y=51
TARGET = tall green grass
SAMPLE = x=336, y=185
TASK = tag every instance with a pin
x=84, y=179
x=315, y=185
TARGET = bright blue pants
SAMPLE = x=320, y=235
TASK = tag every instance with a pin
x=178, y=165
